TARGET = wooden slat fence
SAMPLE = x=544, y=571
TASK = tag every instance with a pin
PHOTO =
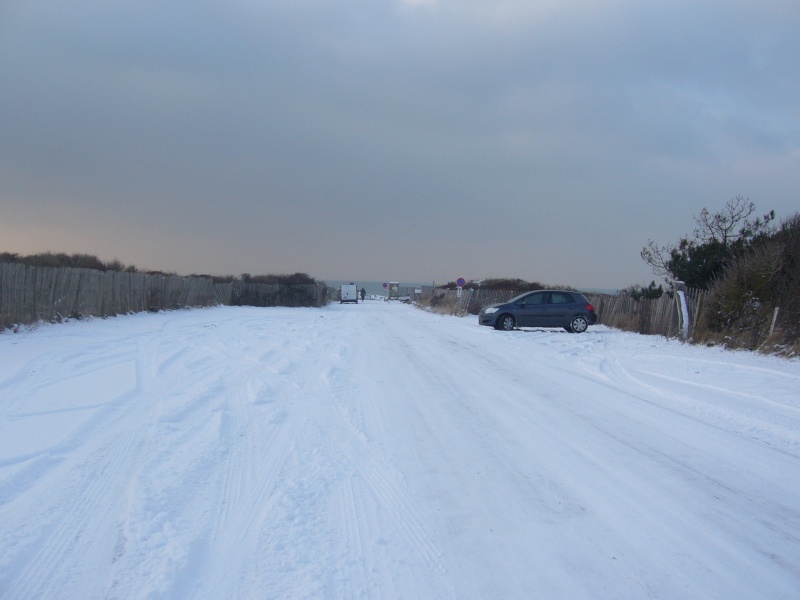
x=29, y=294
x=655, y=317
x=271, y=294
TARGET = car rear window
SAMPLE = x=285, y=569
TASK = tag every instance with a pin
x=560, y=298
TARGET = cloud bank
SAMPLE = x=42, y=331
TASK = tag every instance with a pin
x=413, y=140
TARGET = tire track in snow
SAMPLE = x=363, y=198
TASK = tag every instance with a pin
x=343, y=469
x=328, y=480
x=60, y=547
x=712, y=405
x=258, y=444
x=62, y=550
x=366, y=468
x=254, y=437
x=200, y=429
x=561, y=415
x=355, y=527
x=676, y=453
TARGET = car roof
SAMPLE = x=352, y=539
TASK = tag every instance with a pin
x=554, y=290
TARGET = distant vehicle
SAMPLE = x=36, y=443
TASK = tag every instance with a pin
x=542, y=308
x=348, y=293
x=394, y=290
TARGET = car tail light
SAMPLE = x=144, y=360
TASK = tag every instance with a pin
x=590, y=308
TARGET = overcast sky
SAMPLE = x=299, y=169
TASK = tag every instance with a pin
x=411, y=140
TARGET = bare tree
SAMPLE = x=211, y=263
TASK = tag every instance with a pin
x=718, y=237
x=732, y=223
x=658, y=258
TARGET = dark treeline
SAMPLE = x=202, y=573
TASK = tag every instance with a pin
x=88, y=261
x=498, y=284
x=63, y=260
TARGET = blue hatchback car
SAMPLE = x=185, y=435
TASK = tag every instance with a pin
x=542, y=308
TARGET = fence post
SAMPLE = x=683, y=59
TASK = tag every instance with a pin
x=774, y=318
x=683, y=309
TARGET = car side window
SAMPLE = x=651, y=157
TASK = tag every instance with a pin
x=535, y=299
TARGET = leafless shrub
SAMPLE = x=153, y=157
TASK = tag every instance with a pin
x=285, y=279
x=742, y=301
x=442, y=303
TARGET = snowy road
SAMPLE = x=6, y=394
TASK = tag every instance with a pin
x=379, y=451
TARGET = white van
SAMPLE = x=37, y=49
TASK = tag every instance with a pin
x=348, y=293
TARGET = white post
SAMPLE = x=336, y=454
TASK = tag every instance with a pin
x=683, y=309
x=774, y=318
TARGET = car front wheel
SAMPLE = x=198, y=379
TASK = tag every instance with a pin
x=506, y=323
x=578, y=324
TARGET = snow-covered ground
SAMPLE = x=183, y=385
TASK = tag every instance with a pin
x=379, y=451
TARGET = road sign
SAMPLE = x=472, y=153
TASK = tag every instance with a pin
x=460, y=282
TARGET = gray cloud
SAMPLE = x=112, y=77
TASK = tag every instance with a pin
x=408, y=140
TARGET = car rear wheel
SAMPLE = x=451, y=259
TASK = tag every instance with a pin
x=505, y=322
x=578, y=324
